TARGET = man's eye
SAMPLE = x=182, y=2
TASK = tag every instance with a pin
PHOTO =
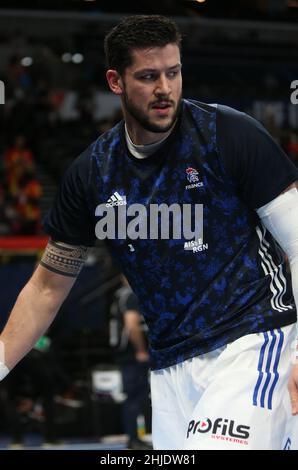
x=172, y=74
x=148, y=76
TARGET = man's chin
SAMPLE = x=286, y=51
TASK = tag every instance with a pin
x=160, y=127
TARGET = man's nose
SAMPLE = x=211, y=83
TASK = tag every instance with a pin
x=163, y=86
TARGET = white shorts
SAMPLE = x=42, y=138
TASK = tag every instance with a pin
x=233, y=398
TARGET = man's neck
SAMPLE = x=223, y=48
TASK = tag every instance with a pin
x=145, y=150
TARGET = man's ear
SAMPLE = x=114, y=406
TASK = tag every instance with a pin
x=114, y=81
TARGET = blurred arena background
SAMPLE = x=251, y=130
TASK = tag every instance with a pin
x=242, y=53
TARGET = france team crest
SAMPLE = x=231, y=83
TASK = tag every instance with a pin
x=192, y=175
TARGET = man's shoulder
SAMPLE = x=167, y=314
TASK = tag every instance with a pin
x=109, y=140
x=106, y=142
x=224, y=111
x=229, y=122
x=237, y=124
x=199, y=106
x=231, y=126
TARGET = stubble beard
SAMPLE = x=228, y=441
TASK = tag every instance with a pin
x=144, y=120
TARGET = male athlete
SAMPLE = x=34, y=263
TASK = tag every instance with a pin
x=220, y=307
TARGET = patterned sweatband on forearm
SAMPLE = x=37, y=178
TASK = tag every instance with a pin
x=64, y=259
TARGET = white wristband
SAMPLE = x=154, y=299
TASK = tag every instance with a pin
x=3, y=371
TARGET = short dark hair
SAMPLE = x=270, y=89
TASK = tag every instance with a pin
x=138, y=32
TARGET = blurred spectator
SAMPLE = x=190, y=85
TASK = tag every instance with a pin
x=18, y=76
x=133, y=359
x=292, y=146
x=17, y=160
x=22, y=190
x=4, y=217
x=32, y=387
x=43, y=107
x=30, y=192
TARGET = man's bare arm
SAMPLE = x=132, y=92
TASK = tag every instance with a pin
x=40, y=300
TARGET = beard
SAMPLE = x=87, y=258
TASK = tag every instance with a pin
x=144, y=120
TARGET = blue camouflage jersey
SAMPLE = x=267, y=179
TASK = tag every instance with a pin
x=196, y=295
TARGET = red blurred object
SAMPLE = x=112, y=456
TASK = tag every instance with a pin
x=23, y=243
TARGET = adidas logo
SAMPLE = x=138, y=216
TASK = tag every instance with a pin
x=116, y=200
